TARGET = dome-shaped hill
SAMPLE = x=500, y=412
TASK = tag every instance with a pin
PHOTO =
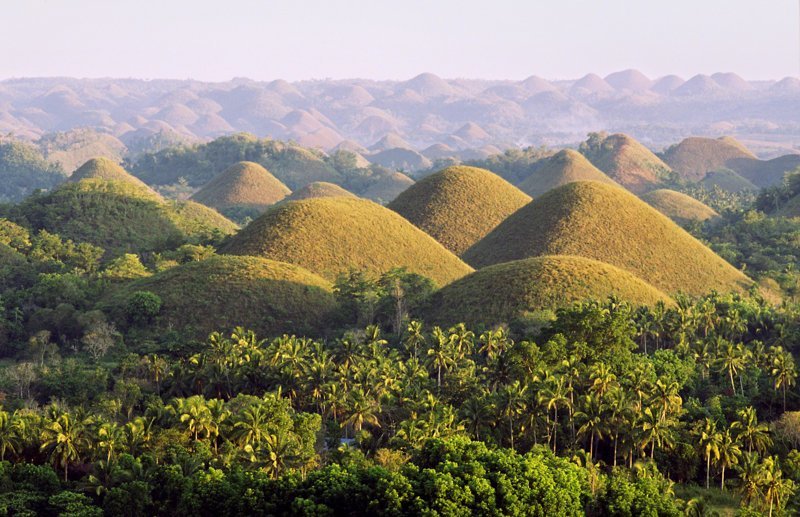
x=330, y=236
x=698, y=85
x=625, y=160
x=319, y=189
x=592, y=84
x=631, y=80
x=459, y=205
x=106, y=169
x=667, y=84
x=244, y=185
x=563, y=167
x=727, y=180
x=518, y=288
x=388, y=187
x=121, y=217
x=606, y=223
x=679, y=207
x=223, y=292
x=694, y=157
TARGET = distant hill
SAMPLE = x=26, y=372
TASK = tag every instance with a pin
x=513, y=290
x=72, y=148
x=727, y=180
x=564, y=167
x=630, y=80
x=401, y=159
x=387, y=187
x=23, y=170
x=626, y=161
x=222, y=292
x=318, y=189
x=242, y=185
x=330, y=236
x=679, y=207
x=458, y=206
x=120, y=217
x=694, y=157
x=765, y=173
x=606, y=223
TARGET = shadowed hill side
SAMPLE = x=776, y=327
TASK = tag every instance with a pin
x=459, y=205
x=727, y=180
x=223, y=292
x=625, y=160
x=606, y=223
x=694, y=157
x=242, y=185
x=564, y=167
x=506, y=292
x=329, y=236
x=765, y=173
x=679, y=207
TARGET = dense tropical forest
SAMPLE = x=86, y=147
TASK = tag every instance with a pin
x=329, y=355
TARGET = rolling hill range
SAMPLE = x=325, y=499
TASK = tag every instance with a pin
x=679, y=207
x=512, y=290
x=606, y=223
x=329, y=236
x=458, y=206
x=694, y=157
x=222, y=292
x=564, y=167
x=242, y=185
x=625, y=160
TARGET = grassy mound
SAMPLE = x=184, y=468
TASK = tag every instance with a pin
x=564, y=167
x=109, y=170
x=727, y=180
x=505, y=292
x=222, y=292
x=388, y=187
x=679, y=207
x=329, y=236
x=242, y=185
x=625, y=160
x=765, y=173
x=120, y=217
x=694, y=157
x=319, y=189
x=458, y=206
x=606, y=223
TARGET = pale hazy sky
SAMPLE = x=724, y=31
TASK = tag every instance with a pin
x=304, y=39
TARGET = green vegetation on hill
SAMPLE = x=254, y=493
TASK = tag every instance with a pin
x=223, y=292
x=24, y=170
x=563, y=167
x=513, y=165
x=244, y=185
x=679, y=207
x=694, y=157
x=329, y=236
x=120, y=217
x=459, y=205
x=72, y=148
x=627, y=161
x=510, y=291
x=609, y=224
x=319, y=189
x=106, y=169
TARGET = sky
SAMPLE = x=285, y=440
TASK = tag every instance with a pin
x=216, y=40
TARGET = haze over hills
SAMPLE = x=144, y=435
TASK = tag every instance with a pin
x=417, y=113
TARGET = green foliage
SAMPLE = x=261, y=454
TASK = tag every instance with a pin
x=23, y=170
x=142, y=307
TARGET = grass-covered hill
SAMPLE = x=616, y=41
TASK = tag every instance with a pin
x=23, y=170
x=388, y=187
x=765, y=173
x=626, y=161
x=222, y=292
x=727, y=180
x=72, y=148
x=242, y=185
x=329, y=236
x=563, y=167
x=607, y=223
x=694, y=157
x=120, y=217
x=513, y=290
x=459, y=205
x=679, y=207
x=319, y=189
x=106, y=169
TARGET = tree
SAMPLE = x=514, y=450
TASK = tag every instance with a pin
x=783, y=371
x=729, y=453
x=99, y=339
x=511, y=403
x=709, y=440
x=63, y=441
x=142, y=307
x=750, y=432
x=9, y=433
x=362, y=409
x=593, y=418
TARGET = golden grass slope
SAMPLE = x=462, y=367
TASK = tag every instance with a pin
x=106, y=169
x=607, y=223
x=459, y=205
x=505, y=292
x=679, y=207
x=329, y=236
x=626, y=161
x=563, y=167
x=319, y=189
x=243, y=184
x=223, y=292
x=694, y=157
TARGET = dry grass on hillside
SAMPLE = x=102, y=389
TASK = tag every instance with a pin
x=679, y=207
x=626, y=161
x=245, y=185
x=564, y=167
x=694, y=157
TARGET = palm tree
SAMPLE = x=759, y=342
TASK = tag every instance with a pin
x=218, y=414
x=730, y=361
x=555, y=395
x=593, y=416
x=511, y=403
x=440, y=354
x=602, y=379
x=773, y=485
x=415, y=337
x=63, y=441
x=9, y=433
x=783, y=371
x=477, y=415
x=748, y=469
x=665, y=397
x=709, y=441
x=750, y=431
x=109, y=438
x=493, y=343
x=656, y=431
x=729, y=453
x=362, y=409
x=462, y=339
x=252, y=426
